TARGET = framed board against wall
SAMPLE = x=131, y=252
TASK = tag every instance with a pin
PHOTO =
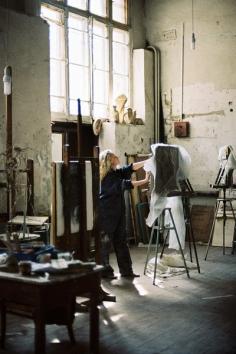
x=202, y=217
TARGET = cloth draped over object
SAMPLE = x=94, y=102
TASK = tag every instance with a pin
x=168, y=266
x=227, y=159
x=169, y=165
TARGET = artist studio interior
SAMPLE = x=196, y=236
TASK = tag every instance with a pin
x=117, y=183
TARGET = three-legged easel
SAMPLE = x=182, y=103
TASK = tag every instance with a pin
x=158, y=227
x=222, y=201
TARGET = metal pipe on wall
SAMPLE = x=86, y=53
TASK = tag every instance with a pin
x=157, y=71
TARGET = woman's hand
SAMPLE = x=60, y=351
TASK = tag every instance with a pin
x=142, y=181
x=147, y=177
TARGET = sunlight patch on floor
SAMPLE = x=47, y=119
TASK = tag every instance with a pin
x=140, y=289
x=107, y=304
x=116, y=318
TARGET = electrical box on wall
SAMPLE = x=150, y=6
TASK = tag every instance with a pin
x=181, y=129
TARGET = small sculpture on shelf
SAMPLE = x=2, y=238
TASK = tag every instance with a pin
x=130, y=116
x=119, y=114
x=120, y=105
x=115, y=115
x=122, y=115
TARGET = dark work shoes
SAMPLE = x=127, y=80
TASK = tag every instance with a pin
x=108, y=272
x=109, y=276
x=130, y=275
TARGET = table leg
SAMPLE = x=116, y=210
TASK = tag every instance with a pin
x=3, y=324
x=94, y=324
x=40, y=337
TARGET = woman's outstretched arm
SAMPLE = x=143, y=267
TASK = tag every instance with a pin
x=137, y=165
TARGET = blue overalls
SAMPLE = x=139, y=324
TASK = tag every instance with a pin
x=112, y=219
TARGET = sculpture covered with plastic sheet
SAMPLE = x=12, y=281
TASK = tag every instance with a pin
x=169, y=165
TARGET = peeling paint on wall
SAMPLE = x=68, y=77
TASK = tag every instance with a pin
x=130, y=139
x=29, y=58
x=208, y=93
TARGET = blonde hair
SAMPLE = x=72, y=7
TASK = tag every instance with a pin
x=105, y=163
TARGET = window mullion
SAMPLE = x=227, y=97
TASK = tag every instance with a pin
x=90, y=46
x=110, y=101
x=110, y=70
x=109, y=9
x=67, y=62
x=130, y=68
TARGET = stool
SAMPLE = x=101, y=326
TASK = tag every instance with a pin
x=159, y=226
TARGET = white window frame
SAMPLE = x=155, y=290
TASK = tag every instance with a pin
x=62, y=6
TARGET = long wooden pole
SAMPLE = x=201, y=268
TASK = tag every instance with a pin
x=11, y=177
x=9, y=125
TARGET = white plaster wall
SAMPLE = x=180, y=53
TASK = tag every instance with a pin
x=23, y=46
x=143, y=85
x=124, y=138
x=209, y=76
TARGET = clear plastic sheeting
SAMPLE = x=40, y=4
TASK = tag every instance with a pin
x=169, y=165
x=176, y=205
x=168, y=266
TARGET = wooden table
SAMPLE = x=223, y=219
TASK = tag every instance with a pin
x=41, y=295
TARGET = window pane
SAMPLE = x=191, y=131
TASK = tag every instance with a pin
x=98, y=7
x=120, y=51
x=57, y=86
x=79, y=79
x=120, y=36
x=57, y=78
x=79, y=82
x=100, y=29
x=100, y=53
x=120, y=86
x=100, y=111
x=100, y=46
x=120, y=59
x=57, y=46
x=78, y=47
x=101, y=86
x=51, y=14
x=79, y=4
x=85, y=108
x=57, y=59
x=119, y=10
x=57, y=105
x=78, y=22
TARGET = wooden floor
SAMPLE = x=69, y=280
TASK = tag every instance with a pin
x=185, y=316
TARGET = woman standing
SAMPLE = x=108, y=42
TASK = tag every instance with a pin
x=114, y=180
